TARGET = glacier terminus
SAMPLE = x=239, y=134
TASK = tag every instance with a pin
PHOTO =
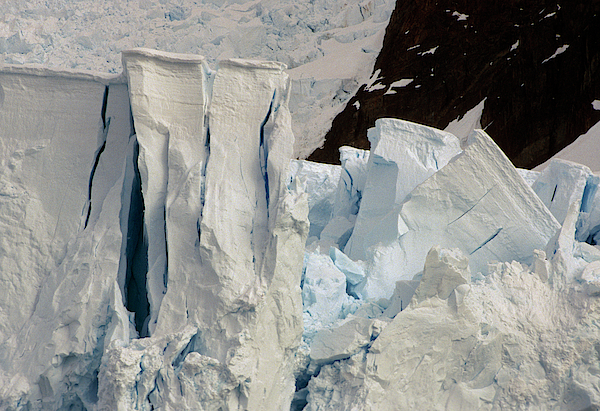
x=161, y=249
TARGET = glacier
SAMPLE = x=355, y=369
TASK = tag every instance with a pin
x=161, y=248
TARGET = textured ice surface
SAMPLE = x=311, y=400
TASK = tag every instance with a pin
x=144, y=235
x=321, y=180
x=478, y=203
x=402, y=156
x=159, y=204
x=65, y=140
x=330, y=46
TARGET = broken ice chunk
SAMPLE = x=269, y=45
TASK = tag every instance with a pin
x=403, y=293
x=478, y=203
x=321, y=182
x=445, y=269
x=561, y=183
x=342, y=342
x=323, y=293
x=353, y=271
x=403, y=155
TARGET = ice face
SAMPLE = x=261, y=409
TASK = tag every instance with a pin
x=403, y=155
x=65, y=139
x=207, y=256
x=168, y=101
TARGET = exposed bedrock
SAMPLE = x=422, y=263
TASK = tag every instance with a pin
x=536, y=64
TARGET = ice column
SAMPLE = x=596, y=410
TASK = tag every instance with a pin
x=168, y=103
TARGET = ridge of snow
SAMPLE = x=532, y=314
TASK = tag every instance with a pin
x=558, y=51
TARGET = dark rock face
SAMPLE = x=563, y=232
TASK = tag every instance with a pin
x=535, y=105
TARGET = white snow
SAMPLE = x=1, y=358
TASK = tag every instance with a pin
x=596, y=104
x=514, y=46
x=463, y=126
x=430, y=51
x=583, y=150
x=460, y=16
x=398, y=84
x=558, y=51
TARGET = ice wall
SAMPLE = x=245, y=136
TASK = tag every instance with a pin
x=184, y=233
x=65, y=139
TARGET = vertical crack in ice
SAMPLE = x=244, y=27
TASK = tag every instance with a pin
x=135, y=293
x=203, y=184
x=589, y=193
x=263, y=152
x=554, y=193
x=486, y=241
x=103, y=134
x=166, y=272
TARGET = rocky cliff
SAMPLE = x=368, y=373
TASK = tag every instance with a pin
x=536, y=64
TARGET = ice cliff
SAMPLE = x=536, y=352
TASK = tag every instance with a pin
x=160, y=249
x=149, y=205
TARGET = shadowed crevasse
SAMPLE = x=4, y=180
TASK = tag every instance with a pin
x=136, y=296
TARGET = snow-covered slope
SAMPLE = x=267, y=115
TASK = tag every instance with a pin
x=329, y=46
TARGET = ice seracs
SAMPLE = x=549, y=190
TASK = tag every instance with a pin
x=143, y=236
x=457, y=306
x=165, y=261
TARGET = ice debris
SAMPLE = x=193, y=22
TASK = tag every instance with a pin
x=454, y=271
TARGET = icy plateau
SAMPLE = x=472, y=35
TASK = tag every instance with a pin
x=160, y=249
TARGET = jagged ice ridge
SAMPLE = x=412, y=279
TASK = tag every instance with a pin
x=160, y=250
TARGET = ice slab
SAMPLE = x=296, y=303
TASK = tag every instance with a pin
x=478, y=203
x=168, y=102
x=51, y=129
x=321, y=181
x=352, y=181
x=560, y=184
x=347, y=199
x=345, y=340
x=403, y=155
x=354, y=272
x=225, y=238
